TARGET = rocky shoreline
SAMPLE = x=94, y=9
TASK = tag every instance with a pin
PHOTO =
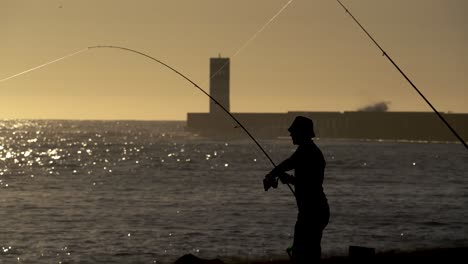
x=361, y=255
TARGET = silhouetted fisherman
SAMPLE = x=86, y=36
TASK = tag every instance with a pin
x=309, y=166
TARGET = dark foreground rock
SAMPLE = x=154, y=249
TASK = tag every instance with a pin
x=427, y=256
x=191, y=259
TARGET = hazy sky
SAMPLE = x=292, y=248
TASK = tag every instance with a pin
x=312, y=57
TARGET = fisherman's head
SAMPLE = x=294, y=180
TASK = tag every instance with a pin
x=301, y=130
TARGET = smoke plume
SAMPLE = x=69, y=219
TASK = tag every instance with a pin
x=377, y=107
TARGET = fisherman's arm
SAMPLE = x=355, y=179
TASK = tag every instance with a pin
x=280, y=170
x=287, y=165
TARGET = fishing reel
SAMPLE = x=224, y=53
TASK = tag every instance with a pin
x=270, y=181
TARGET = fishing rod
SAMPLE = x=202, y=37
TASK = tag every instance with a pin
x=203, y=91
x=406, y=77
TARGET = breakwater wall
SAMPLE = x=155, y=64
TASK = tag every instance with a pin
x=355, y=125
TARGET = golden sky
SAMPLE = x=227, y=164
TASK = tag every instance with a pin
x=312, y=57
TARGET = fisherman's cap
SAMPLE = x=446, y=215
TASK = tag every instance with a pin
x=303, y=126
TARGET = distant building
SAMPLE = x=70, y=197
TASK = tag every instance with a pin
x=356, y=125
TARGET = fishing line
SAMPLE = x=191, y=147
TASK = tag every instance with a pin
x=254, y=36
x=406, y=77
x=262, y=28
x=45, y=64
x=222, y=67
x=182, y=75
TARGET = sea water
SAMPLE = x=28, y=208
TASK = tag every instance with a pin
x=150, y=192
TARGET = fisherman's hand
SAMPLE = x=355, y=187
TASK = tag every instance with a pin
x=286, y=178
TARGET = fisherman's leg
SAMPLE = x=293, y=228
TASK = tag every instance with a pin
x=299, y=245
x=317, y=233
x=307, y=238
x=307, y=250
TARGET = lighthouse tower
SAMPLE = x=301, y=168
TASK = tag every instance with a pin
x=219, y=84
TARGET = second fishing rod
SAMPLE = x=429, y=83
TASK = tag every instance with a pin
x=406, y=77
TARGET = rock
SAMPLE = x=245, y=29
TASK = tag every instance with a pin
x=191, y=259
x=359, y=254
